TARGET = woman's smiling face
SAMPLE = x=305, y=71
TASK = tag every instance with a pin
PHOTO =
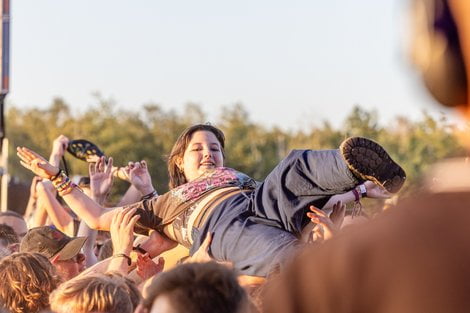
x=202, y=153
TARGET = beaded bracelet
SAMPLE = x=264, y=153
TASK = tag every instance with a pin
x=67, y=189
x=59, y=179
x=62, y=183
x=150, y=195
x=53, y=177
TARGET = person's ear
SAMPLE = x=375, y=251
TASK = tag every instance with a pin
x=180, y=164
x=14, y=247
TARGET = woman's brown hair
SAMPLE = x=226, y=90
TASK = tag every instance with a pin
x=175, y=174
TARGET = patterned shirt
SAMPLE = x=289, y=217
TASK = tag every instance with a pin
x=180, y=202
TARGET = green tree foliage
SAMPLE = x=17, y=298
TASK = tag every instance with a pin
x=149, y=133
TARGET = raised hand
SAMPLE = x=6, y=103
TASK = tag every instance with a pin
x=329, y=226
x=139, y=176
x=101, y=178
x=59, y=145
x=36, y=163
x=122, y=230
x=146, y=267
x=33, y=188
x=337, y=215
x=375, y=191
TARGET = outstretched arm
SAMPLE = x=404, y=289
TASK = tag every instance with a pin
x=32, y=201
x=101, y=180
x=91, y=212
x=372, y=191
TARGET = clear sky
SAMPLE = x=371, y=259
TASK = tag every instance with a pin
x=291, y=63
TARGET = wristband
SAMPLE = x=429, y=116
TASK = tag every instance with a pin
x=54, y=177
x=363, y=189
x=138, y=248
x=122, y=255
x=356, y=195
x=150, y=195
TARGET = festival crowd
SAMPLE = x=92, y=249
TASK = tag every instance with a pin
x=219, y=241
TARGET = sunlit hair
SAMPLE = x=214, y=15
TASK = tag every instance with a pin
x=26, y=280
x=198, y=288
x=134, y=293
x=176, y=175
x=92, y=293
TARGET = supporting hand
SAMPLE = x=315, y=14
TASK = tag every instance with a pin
x=329, y=226
x=375, y=191
x=202, y=254
x=122, y=230
x=147, y=268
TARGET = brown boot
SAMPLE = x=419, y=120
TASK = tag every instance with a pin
x=369, y=161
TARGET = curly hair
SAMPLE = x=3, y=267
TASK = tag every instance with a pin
x=175, y=174
x=92, y=293
x=26, y=280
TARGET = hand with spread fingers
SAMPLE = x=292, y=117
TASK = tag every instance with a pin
x=139, y=176
x=146, y=267
x=338, y=213
x=36, y=163
x=329, y=225
x=101, y=178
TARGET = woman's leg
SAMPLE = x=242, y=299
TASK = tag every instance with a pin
x=303, y=178
x=308, y=177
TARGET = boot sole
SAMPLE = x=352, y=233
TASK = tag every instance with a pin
x=369, y=161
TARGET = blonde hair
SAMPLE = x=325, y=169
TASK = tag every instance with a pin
x=133, y=291
x=26, y=280
x=92, y=293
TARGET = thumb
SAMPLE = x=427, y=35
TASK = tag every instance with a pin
x=207, y=242
x=44, y=167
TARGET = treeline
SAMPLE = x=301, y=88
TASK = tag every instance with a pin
x=150, y=132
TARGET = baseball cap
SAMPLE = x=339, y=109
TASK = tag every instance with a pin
x=50, y=242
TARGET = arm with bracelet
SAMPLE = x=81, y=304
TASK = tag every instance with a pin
x=91, y=212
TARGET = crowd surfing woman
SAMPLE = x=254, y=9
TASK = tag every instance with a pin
x=253, y=225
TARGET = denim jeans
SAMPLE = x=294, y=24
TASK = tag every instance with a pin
x=257, y=230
